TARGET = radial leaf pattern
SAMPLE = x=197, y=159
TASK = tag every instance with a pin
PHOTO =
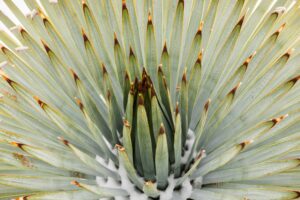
x=150, y=99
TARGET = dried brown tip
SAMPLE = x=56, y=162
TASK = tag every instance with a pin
x=199, y=31
x=3, y=48
x=74, y=75
x=288, y=53
x=233, y=91
x=108, y=95
x=40, y=102
x=131, y=53
x=84, y=5
x=245, y=143
x=280, y=29
x=85, y=38
x=46, y=46
x=279, y=119
x=126, y=123
x=17, y=144
x=124, y=5
x=160, y=68
x=22, y=30
x=165, y=49
x=140, y=99
x=126, y=76
x=104, y=71
x=162, y=129
x=119, y=147
x=22, y=198
x=116, y=42
x=181, y=2
x=184, y=79
x=247, y=61
x=42, y=15
x=199, y=59
x=206, y=106
x=297, y=193
x=241, y=21
x=149, y=19
x=65, y=142
x=76, y=183
x=79, y=103
x=294, y=80
x=8, y=80
x=177, y=108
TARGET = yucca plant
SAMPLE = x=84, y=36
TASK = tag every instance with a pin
x=143, y=99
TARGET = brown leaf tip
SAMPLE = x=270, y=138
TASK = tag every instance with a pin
x=40, y=102
x=245, y=143
x=288, y=53
x=23, y=198
x=85, y=38
x=74, y=75
x=297, y=193
x=7, y=79
x=104, y=71
x=294, y=80
x=181, y=2
x=126, y=77
x=279, y=30
x=131, y=53
x=177, y=108
x=46, y=46
x=148, y=183
x=247, y=61
x=65, y=142
x=184, y=78
x=17, y=144
x=233, y=91
x=3, y=48
x=199, y=31
x=76, y=183
x=116, y=42
x=279, y=119
x=43, y=16
x=160, y=68
x=124, y=7
x=120, y=147
x=22, y=30
x=162, y=129
x=241, y=21
x=149, y=19
x=206, y=106
x=84, y=5
x=79, y=103
x=108, y=95
x=165, y=49
x=140, y=99
x=199, y=58
x=126, y=123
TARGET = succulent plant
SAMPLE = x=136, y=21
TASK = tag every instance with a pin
x=143, y=99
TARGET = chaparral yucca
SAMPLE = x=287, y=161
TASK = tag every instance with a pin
x=150, y=99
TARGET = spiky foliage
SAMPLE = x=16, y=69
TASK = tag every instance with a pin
x=143, y=99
